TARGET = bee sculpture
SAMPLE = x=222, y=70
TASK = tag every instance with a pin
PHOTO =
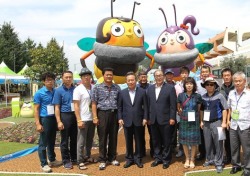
x=119, y=45
x=175, y=46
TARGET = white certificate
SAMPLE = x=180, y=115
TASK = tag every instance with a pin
x=221, y=134
x=50, y=109
x=206, y=115
x=72, y=107
x=191, y=116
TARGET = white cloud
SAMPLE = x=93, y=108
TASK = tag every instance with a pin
x=69, y=21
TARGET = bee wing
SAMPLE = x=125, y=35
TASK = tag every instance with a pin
x=86, y=44
x=204, y=47
x=146, y=45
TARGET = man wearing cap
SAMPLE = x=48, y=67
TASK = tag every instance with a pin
x=86, y=129
x=143, y=83
x=239, y=122
x=213, y=115
x=205, y=72
x=169, y=75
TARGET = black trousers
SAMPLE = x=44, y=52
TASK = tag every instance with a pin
x=227, y=146
x=143, y=141
x=107, y=131
x=69, y=133
x=133, y=133
x=162, y=141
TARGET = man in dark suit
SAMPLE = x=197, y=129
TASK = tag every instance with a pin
x=132, y=115
x=162, y=114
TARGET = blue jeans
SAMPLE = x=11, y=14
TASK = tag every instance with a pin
x=47, y=140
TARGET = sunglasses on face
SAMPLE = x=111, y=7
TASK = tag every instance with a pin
x=211, y=84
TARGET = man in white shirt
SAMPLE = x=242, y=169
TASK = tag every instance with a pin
x=86, y=128
x=239, y=103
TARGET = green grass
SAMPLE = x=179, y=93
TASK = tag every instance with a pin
x=11, y=147
x=225, y=172
x=17, y=120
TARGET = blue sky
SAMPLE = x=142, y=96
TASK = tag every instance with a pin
x=70, y=20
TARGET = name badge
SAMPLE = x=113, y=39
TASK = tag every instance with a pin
x=206, y=115
x=50, y=109
x=235, y=114
x=191, y=116
x=72, y=107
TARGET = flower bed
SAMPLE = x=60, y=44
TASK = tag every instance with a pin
x=5, y=112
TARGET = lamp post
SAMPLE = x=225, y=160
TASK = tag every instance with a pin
x=14, y=63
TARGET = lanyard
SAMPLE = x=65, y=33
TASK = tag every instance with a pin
x=237, y=101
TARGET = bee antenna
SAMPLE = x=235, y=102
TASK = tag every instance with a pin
x=135, y=3
x=112, y=8
x=175, y=15
x=164, y=16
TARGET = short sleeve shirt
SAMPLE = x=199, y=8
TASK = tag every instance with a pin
x=43, y=97
x=243, y=106
x=106, y=97
x=84, y=96
x=215, y=104
x=64, y=97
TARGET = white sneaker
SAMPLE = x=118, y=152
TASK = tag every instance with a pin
x=115, y=163
x=46, y=169
x=55, y=163
x=102, y=166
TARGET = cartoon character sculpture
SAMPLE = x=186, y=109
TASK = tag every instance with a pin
x=119, y=45
x=27, y=110
x=175, y=46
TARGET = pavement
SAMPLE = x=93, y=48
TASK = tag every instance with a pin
x=30, y=163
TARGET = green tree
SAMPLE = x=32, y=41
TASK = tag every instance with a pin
x=12, y=51
x=49, y=59
x=236, y=64
x=28, y=44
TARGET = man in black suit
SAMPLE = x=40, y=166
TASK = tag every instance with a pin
x=162, y=114
x=132, y=115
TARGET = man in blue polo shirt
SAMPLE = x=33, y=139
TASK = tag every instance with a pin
x=46, y=122
x=66, y=119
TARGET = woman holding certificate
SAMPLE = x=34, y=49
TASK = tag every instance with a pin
x=188, y=105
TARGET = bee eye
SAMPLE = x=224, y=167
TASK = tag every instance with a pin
x=180, y=38
x=163, y=39
x=138, y=31
x=117, y=30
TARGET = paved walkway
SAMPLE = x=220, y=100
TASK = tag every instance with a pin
x=30, y=163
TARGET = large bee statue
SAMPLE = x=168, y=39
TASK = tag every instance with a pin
x=175, y=46
x=119, y=45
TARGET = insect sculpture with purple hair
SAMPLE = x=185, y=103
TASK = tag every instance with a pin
x=175, y=46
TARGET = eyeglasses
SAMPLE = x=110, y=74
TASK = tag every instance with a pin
x=211, y=84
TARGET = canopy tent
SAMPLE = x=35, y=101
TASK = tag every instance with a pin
x=7, y=75
x=21, y=72
x=5, y=69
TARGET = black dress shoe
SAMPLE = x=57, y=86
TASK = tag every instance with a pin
x=200, y=157
x=165, y=165
x=155, y=163
x=235, y=170
x=128, y=164
x=139, y=164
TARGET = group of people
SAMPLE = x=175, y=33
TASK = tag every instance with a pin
x=200, y=111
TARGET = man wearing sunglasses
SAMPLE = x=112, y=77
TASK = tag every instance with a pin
x=213, y=116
